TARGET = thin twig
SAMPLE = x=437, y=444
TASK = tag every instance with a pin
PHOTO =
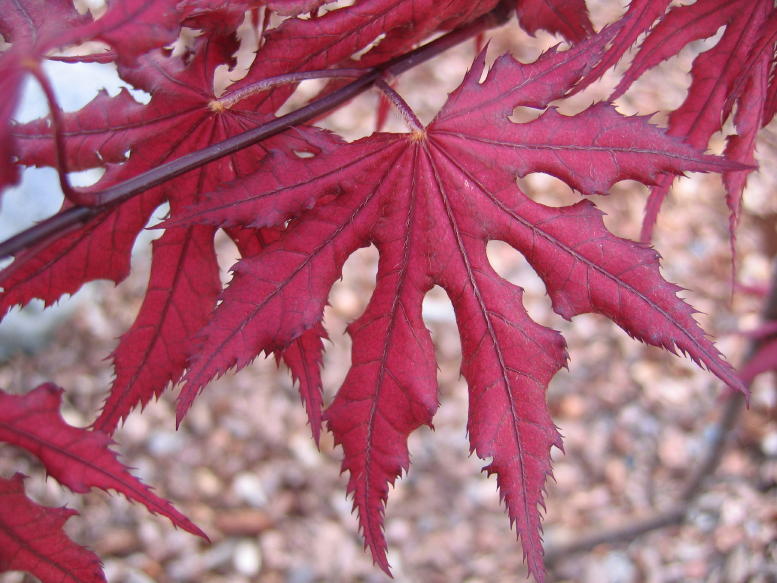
x=678, y=513
x=77, y=216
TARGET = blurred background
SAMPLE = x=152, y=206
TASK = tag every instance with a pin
x=635, y=419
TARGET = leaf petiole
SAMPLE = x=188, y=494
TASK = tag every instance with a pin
x=401, y=106
x=231, y=98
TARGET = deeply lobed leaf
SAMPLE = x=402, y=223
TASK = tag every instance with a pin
x=184, y=277
x=430, y=202
x=78, y=458
x=300, y=204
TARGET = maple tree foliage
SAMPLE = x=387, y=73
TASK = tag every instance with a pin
x=31, y=535
x=298, y=200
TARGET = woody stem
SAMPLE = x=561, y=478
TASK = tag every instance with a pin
x=74, y=217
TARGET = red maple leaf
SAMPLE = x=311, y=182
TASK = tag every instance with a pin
x=184, y=275
x=430, y=200
x=638, y=18
x=32, y=28
x=31, y=538
x=376, y=29
x=77, y=458
x=184, y=281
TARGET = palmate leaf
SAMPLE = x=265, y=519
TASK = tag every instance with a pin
x=184, y=276
x=298, y=205
x=184, y=280
x=334, y=38
x=639, y=17
x=32, y=28
x=430, y=201
x=31, y=536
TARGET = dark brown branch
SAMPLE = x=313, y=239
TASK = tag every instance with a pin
x=630, y=530
x=678, y=513
x=68, y=220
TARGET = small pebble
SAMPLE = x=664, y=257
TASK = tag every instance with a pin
x=247, y=558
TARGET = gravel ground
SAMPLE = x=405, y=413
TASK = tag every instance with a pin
x=635, y=419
